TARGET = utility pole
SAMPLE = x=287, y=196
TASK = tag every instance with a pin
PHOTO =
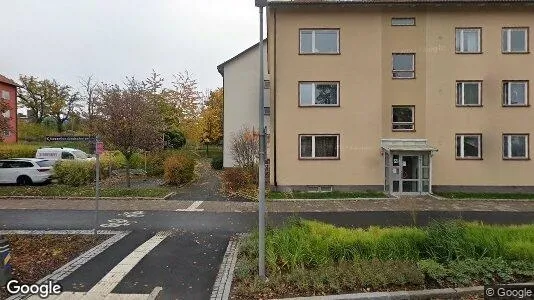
x=261, y=185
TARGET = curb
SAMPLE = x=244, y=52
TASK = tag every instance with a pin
x=80, y=198
x=223, y=283
x=325, y=199
x=448, y=293
x=168, y=195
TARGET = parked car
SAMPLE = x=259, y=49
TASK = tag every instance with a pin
x=25, y=171
x=61, y=153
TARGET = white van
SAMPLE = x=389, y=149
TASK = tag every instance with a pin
x=61, y=153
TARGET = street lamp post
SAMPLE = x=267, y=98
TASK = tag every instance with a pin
x=261, y=188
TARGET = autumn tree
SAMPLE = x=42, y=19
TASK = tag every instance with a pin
x=62, y=102
x=34, y=96
x=127, y=120
x=162, y=100
x=90, y=99
x=47, y=98
x=211, y=118
x=187, y=99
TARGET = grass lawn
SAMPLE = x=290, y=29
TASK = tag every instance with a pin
x=306, y=258
x=325, y=195
x=35, y=256
x=463, y=195
x=57, y=190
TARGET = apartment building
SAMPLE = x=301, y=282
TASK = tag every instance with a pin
x=405, y=96
x=8, y=93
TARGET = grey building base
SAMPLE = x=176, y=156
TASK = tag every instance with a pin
x=482, y=189
x=380, y=188
x=327, y=188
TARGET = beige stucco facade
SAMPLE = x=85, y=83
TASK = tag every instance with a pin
x=368, y=92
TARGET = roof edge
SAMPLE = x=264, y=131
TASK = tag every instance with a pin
x=220, y=67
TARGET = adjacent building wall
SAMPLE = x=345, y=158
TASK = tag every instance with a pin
x=241, y=98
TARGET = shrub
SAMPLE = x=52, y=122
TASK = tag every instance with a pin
x=137, y=161
x=235, y=179
x=179, y=169
x=17, y=150
x=32, y=132
x=112, y=159
x=217, y=163
x=74, y=172
x=174, y=140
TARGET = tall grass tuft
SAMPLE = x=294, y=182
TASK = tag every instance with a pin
x=312, y=244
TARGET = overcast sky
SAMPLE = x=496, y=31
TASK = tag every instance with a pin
x=110, y=39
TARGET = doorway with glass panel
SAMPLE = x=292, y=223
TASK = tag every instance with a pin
x=407, y=173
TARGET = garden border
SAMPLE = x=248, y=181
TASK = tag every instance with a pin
x=69, y=268
x=226, y=274
x=223, y=282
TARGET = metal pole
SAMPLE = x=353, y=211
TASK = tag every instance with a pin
x=97, y=184
x=261, y=188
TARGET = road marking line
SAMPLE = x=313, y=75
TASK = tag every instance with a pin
x=106, y=285
x=193, y=207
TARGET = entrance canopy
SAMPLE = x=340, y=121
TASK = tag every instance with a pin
x=416, y=145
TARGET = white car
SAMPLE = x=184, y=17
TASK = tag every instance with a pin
x=24, y=171
x=61, y=154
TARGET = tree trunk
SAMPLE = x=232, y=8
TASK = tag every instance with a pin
x=128, y=183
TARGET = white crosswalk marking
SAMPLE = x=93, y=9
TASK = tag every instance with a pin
x=193, y=207
x=104, y=287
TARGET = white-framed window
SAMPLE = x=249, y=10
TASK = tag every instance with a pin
x=469, y=93
x=515, y=40
x=403, y=65
x=7, y=114
x=6, y=132
x=469, y=146
x=515, y=146
x=318, y=93
x=403, y=118
x=5, y=95
x=402, y=21
x=319, y=41
x=515, y=93
x=319, y=146
x=468, y=40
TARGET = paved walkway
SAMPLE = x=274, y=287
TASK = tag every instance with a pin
x=404, y=204
x=205, y=188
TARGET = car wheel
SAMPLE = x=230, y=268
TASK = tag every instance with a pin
x=24, y=180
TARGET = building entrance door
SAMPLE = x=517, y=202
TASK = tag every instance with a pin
x=409, y=173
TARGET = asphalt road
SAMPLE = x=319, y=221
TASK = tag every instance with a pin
x=236, y=222
x=186, y=263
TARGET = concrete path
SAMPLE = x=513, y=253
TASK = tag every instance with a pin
x=404, y=204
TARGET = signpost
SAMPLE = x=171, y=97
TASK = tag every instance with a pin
x=99, y=149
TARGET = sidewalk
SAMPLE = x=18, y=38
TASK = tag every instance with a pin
x=404, y=204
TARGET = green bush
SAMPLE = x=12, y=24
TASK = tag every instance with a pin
x=17, y=151
x=487, y=270
x=75, y=172
x=112, y=159
x=32, y=132
x=217, y=163
x=179, y=169
x=174, y=140
x=137, y=161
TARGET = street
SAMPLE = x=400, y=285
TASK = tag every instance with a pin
x=186, y=263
